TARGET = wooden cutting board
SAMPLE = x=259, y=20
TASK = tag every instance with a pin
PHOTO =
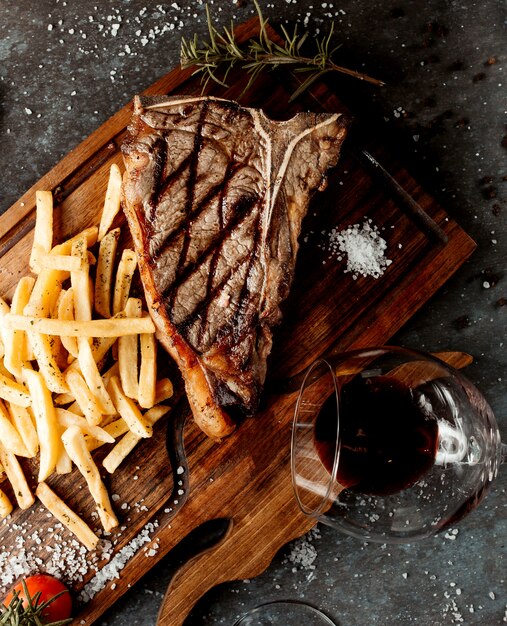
x=246, y=478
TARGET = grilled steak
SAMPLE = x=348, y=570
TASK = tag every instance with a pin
x=214, y=195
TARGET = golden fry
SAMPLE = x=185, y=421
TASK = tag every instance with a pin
x=112, y=201
x=128, y=352
x=65, y=248
x=48, y=431
x=75, y=444
x=62, y=262
x=42, y=346
x=63, y=463
x=79, y=281
x=93, y=378
x=9, y=436
x=124, y=274
x=5, y=505
x=104, y=275
x=163, y=390
x=66, y=312
x=127, y=443
x=12, y=468
x=13, y=391
x=4, y=307
x=45, y=293
x=66, y=516
x=84, y=397
x=147, y=371
x=63, y=398
x=128, y=410
x=114, y=429
x=67, y=419
x=114, y=327
x=15, y=340
x=23, y=422
x=43, y=233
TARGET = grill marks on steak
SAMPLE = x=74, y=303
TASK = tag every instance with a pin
x=215, y=194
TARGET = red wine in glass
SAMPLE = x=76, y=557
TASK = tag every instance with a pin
x=387, y=440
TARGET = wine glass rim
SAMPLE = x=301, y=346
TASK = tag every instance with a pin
x=317, y=612
x=316, y=511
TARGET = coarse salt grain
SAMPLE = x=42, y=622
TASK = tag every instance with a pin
x=303, y=553
x=111, y=570
x=363, y=248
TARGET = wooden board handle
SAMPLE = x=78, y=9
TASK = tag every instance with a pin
x=276, y=516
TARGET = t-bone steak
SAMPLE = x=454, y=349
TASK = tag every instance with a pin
x=215, y=194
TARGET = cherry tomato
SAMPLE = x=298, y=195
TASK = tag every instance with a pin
x=49, y=587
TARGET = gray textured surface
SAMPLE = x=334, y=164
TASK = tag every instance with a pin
x=61, y=61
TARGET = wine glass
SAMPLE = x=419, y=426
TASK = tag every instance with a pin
x=390, y=444
x=283, y=613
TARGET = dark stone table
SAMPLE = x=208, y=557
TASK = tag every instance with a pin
x=68, y=66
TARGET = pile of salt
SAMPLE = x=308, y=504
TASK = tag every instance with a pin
x=363, y=247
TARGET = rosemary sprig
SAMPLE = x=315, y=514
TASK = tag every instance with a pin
x=224, y=51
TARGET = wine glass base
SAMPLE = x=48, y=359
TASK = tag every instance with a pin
x=284, y=613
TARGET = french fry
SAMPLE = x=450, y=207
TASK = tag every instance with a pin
x=43, y=352
x=13, y=391
x=74, y=408
x=5, y=505
x=22, y=493
x=15, y=340
x=4, y=309
x=65, y=248
x=66, y=312
x=112, y=201
x=9, y=436
x=93, y=378
x=79, y=281
x=67, y=419
x=129, y=441
x=128, y=410
x=63, y=398
x=43, y=233
x=45, y=293
x=48, y=431
x=61, y=262
x=58, y=351
x=104, y=274
x=124, y=273
x=147, y=371
x=100, y=345
x=23, y=422
x=128, y=352
x=75, y=444
x=115, y=429
x=63, y=463
x=114, y=370
x=114, y=327
x=64, y=514
x=163, y=390
x=84, y=397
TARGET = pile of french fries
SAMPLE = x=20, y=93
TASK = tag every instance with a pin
x=78, y=365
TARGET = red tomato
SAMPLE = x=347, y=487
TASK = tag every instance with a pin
x=49, y=587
